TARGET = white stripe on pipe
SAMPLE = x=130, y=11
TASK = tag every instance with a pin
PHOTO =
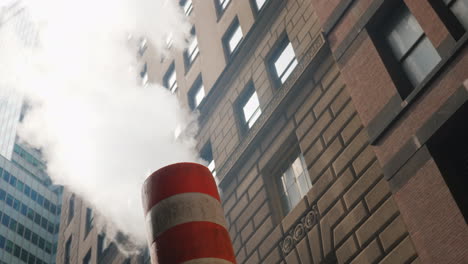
x=207, y=261
x=183, y=208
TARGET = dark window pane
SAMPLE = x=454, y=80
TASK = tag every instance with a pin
x=27, y=234
x=5, y=220
x=27, y=190
x=24, y=209
x=24, y=255
x=17, y=251
x=35, y=238
x=404, y=31
x=6, y=176
x=16, y=205
x=420, y=61
x=33, y=195
x=13, y=180
x=9, y=200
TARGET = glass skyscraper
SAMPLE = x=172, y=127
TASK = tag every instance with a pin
x=29, y=202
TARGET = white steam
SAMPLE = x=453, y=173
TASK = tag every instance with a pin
x=101, y=131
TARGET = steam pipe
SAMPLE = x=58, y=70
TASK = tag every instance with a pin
x=184, y=217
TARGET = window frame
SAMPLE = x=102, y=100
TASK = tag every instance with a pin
x=242, y=100
x=197, y=84
x=189, y=10
x=220, y=10
x=89, y=220
x=377, y=28
x=167, y=76
x=189, y=59
x=206, y=154
x=273, y=56
x=255, y=8
x=71, y=208
x=275, y=168
x=67, y=253
x=229, y=54
x=450, y=20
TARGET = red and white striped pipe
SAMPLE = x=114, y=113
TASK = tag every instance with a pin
x=185, y=218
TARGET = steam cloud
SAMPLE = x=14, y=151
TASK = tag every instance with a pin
x=101, y=131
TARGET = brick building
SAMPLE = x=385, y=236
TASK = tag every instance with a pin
x=334, y=138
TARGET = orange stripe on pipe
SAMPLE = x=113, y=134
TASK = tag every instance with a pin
x=194, y=240
x=175, y=179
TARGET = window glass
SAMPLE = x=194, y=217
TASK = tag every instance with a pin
x=410, y=46
x=421, y=61
x=6, y=176
x=252, y=110
x=188, y=7
x=260, y=3
x=294, y=183
x=171, y=80
x=192, y=50
x=223, y=4
x=234, y=38
x=404, y=32
x=285, y=63
x=460, y=10
x=199, y=95
x=24, y=255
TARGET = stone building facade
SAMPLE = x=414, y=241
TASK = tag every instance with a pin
x=320, y=156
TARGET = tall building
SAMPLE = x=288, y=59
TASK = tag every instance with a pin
x=336, y=129
x=29, y=209
x=29, y=203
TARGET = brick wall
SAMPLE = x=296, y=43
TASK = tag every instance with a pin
x=400, y=127
x=349, y=211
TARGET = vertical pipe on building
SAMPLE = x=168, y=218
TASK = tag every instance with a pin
x=185, y=218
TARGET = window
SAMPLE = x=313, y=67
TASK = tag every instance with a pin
x=249, y=107
x=196, y=93
x=187, y=6
x=102, y=244
x=144, y=74
x=87, y=258
x=24, y=255
x=259, y=4
x=449, y=148
x=207, y=155
x=293, y=183
x=27, y=233
x=233, y=37
x=68, y=251
x=89, y=220
x=169, y=41
x=192, y=51
x=33, y=195
x=410, y=46
x=460, y=9
x=223, y=3
x=143, y=46
x=170, y=79
x=407, y=52
x=71, y=208
x=283, y=60
x=221, y=6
